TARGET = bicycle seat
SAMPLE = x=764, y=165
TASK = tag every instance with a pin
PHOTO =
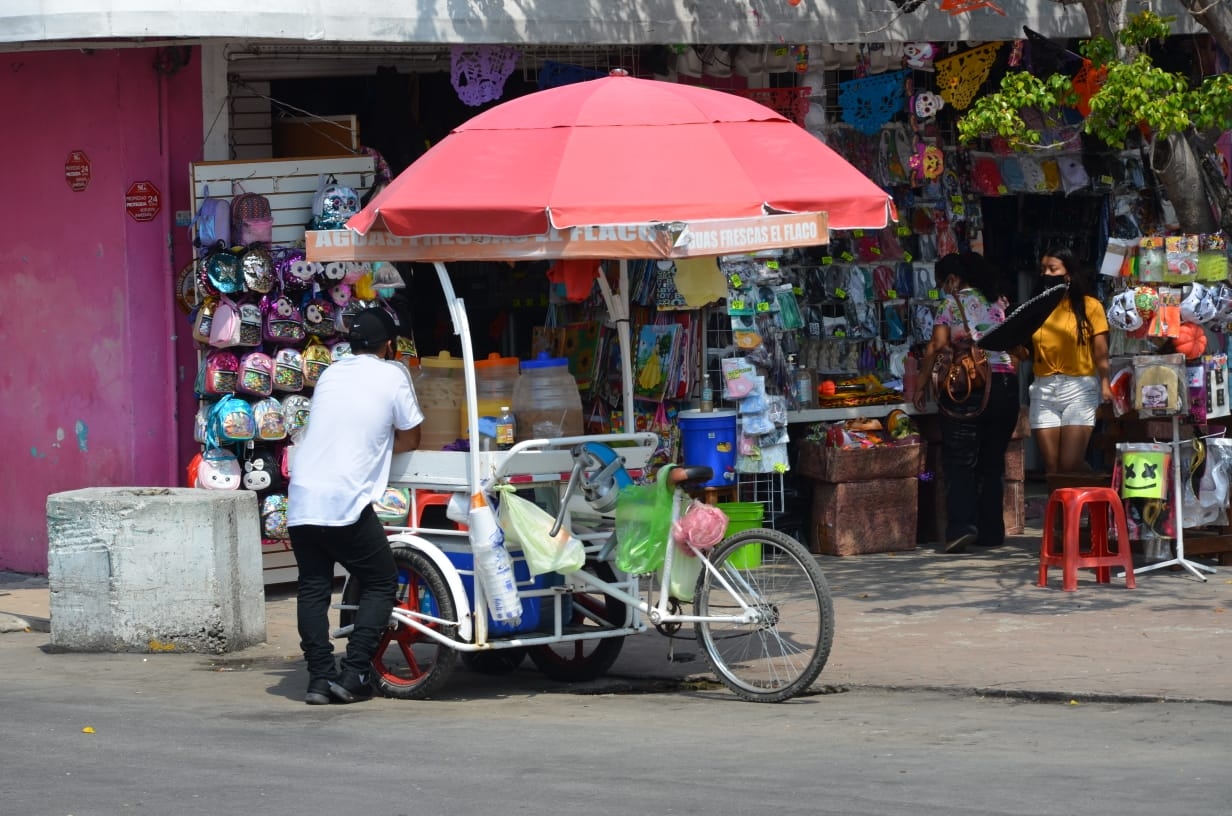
x=691, y=475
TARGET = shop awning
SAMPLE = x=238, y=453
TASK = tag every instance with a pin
x=544, y=22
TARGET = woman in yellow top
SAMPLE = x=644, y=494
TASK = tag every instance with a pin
x=1070, y=365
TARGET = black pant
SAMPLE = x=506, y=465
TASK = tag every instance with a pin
x=363, y=550
x=973, y=461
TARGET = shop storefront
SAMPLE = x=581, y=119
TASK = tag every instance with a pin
x=181, y=109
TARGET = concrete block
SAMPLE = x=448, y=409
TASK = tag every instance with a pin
x=155, y=569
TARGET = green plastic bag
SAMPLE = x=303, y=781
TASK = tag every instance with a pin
x=527, y=525
x=643, y=525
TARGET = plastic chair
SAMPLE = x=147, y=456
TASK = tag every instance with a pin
x=1070, y=554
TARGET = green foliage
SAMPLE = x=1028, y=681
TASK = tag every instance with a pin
x=1137, y=93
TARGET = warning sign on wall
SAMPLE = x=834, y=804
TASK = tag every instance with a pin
x=143, y=201
x=77, y=171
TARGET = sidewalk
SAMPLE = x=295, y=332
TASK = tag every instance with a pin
x=974, y=623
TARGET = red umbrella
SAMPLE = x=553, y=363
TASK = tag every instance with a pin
x=622, y=151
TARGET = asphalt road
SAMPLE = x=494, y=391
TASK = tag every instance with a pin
x=88, y=734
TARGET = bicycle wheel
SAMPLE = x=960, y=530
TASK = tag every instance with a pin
x=575, y=661
x=781, y=654
x=408, y=664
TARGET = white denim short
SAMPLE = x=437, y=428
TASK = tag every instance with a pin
x=1061, y=399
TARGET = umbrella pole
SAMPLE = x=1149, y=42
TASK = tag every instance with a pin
x=462, y=328
x=619, y=310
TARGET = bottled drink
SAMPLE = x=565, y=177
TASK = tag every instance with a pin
x=506, y=428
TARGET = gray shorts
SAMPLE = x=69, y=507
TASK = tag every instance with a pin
x=1061, y=399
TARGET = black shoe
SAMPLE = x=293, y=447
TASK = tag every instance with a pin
x=318, y=692
x=959, y=544
x=351, y=687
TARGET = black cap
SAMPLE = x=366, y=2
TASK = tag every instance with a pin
x=371, y=329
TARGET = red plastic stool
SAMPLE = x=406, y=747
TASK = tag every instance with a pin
x=1100, y=501
x=421, y=499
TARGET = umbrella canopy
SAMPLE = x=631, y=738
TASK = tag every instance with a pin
x=1021, y=323
x=620, y=151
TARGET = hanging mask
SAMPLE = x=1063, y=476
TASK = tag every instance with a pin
x=920, y=56
x=925, y=104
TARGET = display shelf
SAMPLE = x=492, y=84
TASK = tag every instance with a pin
x=854, y=412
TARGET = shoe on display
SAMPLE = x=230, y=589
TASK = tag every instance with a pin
x=351, y=687
x=318, y=692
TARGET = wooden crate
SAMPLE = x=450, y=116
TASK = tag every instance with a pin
x=817, y=461
x=853, y=518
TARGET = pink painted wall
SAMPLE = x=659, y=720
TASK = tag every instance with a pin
x=89, y=379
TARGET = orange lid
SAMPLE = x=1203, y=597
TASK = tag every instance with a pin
x=494, y=360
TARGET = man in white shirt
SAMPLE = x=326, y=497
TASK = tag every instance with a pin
x=363, y=411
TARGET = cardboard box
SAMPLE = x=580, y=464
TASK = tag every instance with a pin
x=827, y=464
x=853, y=518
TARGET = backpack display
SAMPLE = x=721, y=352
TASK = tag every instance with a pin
x=201, y=425
x=218, y=469
x=295, y=410
x=283, y=321
x=230, y=420
x=340, y=351
x=212, y=224
x=274, y=517
x=225, y=327
x=256, y=375
x=271, y=422
x=316, y=359
x=252, y=220
x=288, y=370
x=219, y=373
x=332, y=205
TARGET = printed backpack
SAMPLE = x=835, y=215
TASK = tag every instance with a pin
x=288, y=370
x=201, y=425
x=271, y=423
x=256, y=375
x=283, y=321
x=219, y=373
x=252, y=219
x=230, y=420
x=225, y=327
x=319, y=318
x=261, y=473
x=250, y=325
x=257, y=269
x=333, y=204
x=295, y=409
x=203, y=322
x=212, y=223
x=340, y=351
x=274, y=517
x=218, y=469
x=316, y=359
x=219, y=272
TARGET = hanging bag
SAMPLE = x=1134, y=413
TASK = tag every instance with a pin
x=252, y=218
x=961, y=375
x=212, y=224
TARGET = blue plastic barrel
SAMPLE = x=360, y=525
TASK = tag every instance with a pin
x=709, y=438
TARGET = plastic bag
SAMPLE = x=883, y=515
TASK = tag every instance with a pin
x=527, y=525
x=643, y=524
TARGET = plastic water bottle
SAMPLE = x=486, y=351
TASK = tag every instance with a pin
x=493, y=566
x=506, y=428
